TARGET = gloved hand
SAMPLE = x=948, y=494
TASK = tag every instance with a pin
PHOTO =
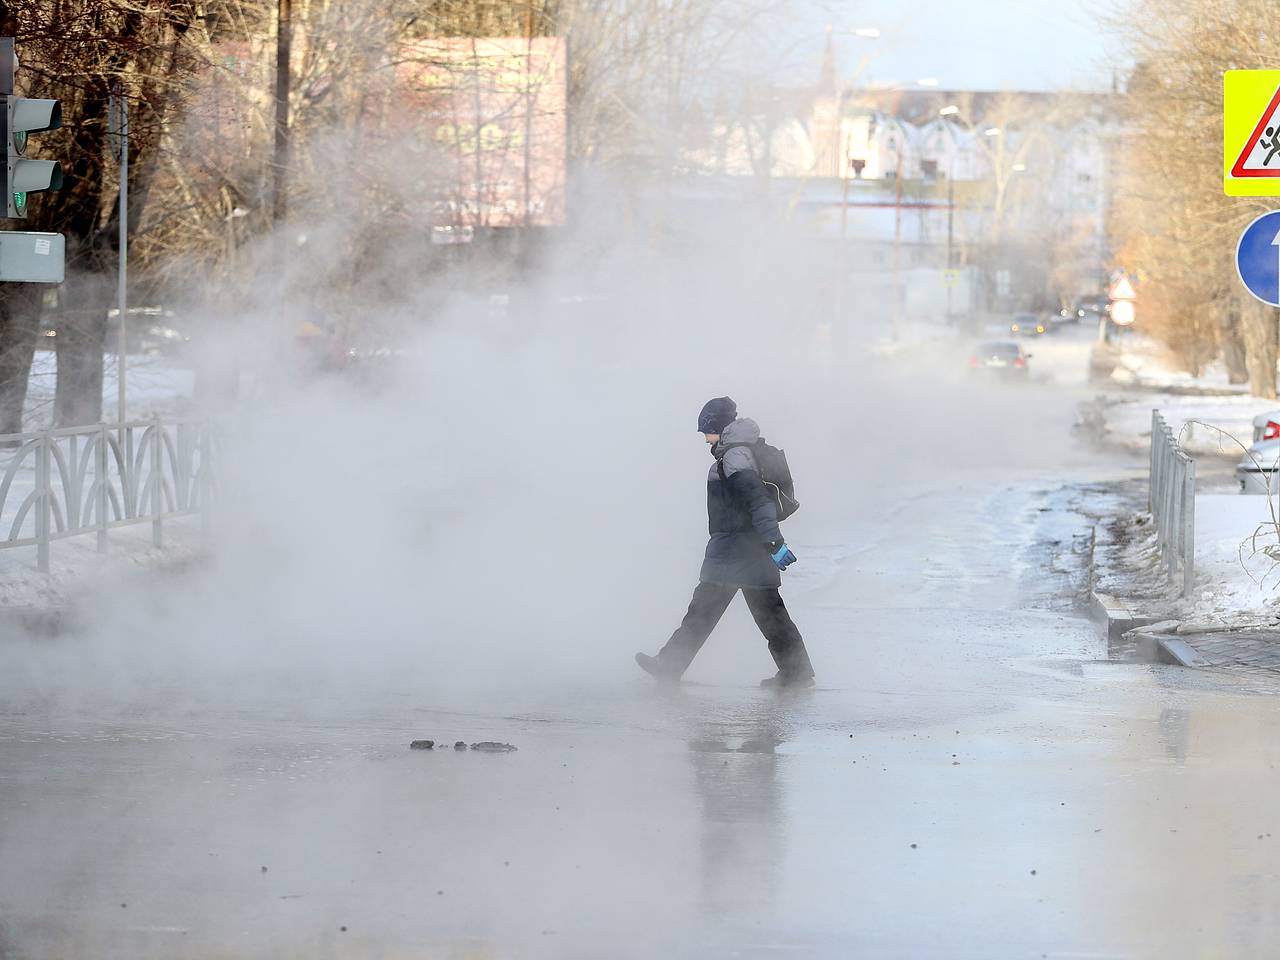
x=782, y=555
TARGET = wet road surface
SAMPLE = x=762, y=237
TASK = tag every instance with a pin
x=970, y=778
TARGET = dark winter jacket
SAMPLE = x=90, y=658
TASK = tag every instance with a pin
x=741, y=516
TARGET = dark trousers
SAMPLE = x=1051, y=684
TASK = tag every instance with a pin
x=710, y=600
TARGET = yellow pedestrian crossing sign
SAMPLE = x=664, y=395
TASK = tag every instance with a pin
x=950, y=278
x=1251, y=133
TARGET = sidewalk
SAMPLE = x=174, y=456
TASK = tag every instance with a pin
x=35, y=603
x=1258, y=649
x=1231, y=617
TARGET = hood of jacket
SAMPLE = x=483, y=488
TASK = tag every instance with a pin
x=745, y=430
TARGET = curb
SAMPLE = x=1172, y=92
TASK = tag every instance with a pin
x=1171, y=649
x=1116, y=617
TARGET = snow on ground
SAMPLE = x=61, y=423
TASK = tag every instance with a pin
x=1142, y=362
x=76, y=567
x=1193, y=420
x=1211, y=417
x=156, y=385
x=1237, y=564
x=1237, y=538
x=1237, y=559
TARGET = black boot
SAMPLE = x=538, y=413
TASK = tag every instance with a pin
x=782, y=680
x=655, y=667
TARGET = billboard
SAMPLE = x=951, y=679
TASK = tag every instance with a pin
x=492, y=113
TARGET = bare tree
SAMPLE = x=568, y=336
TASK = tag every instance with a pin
x=78, y=51
x=1173, y=222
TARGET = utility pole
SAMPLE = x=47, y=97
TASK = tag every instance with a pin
x=120, y=120
x=280, y=161
x=528, y=120
x=951, y=228
x=842, y=259
x=897, y=243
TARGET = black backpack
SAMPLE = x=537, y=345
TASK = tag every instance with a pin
x=774, y=472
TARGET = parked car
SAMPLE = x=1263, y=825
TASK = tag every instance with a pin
x=1000, y=358
x=1257, y=470
x=1062, y=317
x=1091, y=309
x=1266, y=426
x=1028, y=325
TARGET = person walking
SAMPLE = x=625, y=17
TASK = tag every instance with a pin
x=746, y=551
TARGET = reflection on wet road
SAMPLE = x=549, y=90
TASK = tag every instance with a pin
x=1020, y=797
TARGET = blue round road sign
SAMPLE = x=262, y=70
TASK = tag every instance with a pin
x=1258, y=258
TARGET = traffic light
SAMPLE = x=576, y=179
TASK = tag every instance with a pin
x=22, y=117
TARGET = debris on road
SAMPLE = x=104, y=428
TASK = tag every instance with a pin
x=492, y=746
x=422, y=745
x=709, y=746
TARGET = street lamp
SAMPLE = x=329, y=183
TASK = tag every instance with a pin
x=949, y=111
x=862, y=33
x=1002, y=178
x=897, y=202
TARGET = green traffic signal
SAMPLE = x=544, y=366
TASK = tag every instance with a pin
x=22, y=117
x=19, y=118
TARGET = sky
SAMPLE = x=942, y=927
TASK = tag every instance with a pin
x=979, y=44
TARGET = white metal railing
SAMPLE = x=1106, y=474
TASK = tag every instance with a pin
x=1172, y=501
x=82, y=480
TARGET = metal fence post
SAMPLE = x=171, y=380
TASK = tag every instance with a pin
x=1176, y=532
x=1151, y=484
x=157, y=487
x=1172, y=488
x=37, y=514
x=1189, y=530
x=103, y=499
x=1172, y=500
x=1157, y=484
x=206, y=484
x=42, y=502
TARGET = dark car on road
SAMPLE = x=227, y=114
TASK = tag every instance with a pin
x=1028, y=325
x=1091, y=310
x=1000, y=358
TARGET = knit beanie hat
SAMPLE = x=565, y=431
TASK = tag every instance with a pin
x=716, y=415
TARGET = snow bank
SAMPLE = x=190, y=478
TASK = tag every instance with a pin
x=156, y=385
x=76, y=568
x=1237, y=557
x=1128, y=421
x=1149, y=365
